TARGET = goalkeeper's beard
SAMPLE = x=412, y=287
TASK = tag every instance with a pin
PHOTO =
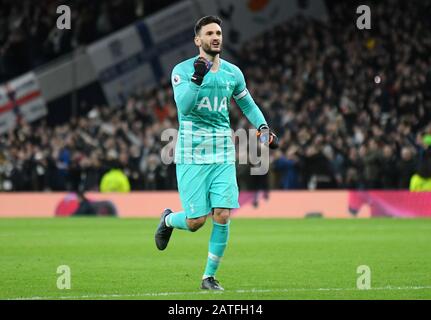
x=208, y=51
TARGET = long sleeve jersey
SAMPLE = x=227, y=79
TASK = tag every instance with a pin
x=204, y=134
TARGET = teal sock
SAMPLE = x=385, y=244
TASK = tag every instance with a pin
x=217, y=245
x=177, y=220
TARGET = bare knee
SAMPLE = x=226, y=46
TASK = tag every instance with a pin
x=221, y=215
x=196, y=223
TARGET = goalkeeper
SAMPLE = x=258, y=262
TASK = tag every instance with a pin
x=204, y=154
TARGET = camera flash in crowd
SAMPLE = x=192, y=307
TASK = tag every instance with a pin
x=377, y=79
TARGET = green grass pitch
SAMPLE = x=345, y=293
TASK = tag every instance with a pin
x=113, y=258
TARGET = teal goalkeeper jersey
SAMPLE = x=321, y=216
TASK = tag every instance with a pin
x=205, y=135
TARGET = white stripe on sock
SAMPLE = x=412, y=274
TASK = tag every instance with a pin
x=213, y=257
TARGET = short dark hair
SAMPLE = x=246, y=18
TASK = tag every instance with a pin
x=206, y=20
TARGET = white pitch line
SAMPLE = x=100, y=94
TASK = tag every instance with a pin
x=161, y=294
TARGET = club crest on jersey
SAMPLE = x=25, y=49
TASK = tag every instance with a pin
x=176, y=79
x=228, y=85
x=215, y=106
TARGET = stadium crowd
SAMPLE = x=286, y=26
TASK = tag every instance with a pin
x=351, y=108
x=30, y=38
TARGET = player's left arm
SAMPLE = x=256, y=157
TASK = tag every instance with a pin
x=253, y=113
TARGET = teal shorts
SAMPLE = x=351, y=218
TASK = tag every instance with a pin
x=203, y=187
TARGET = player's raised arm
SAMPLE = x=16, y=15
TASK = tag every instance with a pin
x=250, y=109
x=245, y=101
x=186, y=90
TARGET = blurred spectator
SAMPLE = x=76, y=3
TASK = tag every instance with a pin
x=421, y=180
x=115, y=181
x=388, y=169
x=373, y=163
x=286, y=166
x=317, y=168
x=406, y=168
x=29, y=36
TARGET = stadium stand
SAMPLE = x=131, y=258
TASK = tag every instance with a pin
x=29, y=37
x=351, y=109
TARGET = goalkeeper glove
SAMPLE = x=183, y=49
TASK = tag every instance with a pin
x=267, y=137
x=202, y=66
